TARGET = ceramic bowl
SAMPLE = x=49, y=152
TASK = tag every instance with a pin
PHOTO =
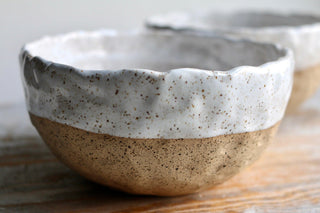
x=301, y=33
x=155, y=113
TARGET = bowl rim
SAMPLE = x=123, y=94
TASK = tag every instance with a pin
x=154, y=24
x=284, y=52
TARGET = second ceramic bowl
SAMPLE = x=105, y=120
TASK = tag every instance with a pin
x=301, y=33
x=155, y=113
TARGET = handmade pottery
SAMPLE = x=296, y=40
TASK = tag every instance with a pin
x=155, y=113
x=301, y=33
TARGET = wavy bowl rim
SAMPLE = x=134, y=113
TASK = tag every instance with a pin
x=286, y=53
x=149, y=23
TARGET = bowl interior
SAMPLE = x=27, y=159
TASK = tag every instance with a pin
x=154, y=51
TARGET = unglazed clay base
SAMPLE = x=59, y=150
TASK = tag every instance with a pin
x=305, y=84
x=164, y=167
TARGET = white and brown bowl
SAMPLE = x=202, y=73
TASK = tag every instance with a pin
x=155, y=113
x=299, y=32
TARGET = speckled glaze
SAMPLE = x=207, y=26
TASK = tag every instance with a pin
x=142, y=103
x=301, y=33
x=151, y=112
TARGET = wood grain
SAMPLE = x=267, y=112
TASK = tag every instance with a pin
x=285, y=179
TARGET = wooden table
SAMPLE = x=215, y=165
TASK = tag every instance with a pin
x=285, y=179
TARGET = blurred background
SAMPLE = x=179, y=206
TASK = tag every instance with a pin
x=24, y=21
x=285, y=179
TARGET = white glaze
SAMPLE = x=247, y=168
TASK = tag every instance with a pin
x=301, y=33
x=141, y=103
